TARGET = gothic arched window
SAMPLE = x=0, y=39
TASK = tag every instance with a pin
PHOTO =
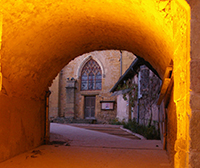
x=91, y=76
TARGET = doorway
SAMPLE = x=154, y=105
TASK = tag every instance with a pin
x=89, y=110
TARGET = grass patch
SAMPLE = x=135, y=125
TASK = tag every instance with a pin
x=149, y=132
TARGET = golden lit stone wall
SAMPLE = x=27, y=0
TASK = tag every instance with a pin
x=21, y=125
x=40, y=37
x=51, y=33
x=171, y=128
x=1, y=22
x=181, y=29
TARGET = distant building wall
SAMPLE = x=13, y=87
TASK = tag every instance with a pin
x=148, y=96
x=53, y=99
x=109, y=61
x=126, y=60
x=122, y=108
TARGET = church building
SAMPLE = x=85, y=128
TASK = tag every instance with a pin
x=81, y=91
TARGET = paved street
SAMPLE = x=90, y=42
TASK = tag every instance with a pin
x=74, y=147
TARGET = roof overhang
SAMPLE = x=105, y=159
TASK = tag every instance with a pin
x=132, y=71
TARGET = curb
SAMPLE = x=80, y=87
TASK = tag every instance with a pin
x=135, y=134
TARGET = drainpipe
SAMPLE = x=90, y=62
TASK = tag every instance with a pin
x=120, y=62
x=138, y=98
x=138, y=110
x=47, y=124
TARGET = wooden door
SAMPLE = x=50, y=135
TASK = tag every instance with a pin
x=89, y=107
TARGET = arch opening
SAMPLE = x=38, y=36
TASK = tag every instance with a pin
x=59, y=38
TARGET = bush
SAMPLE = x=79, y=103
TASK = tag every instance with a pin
x=115, y=122
x=148, y=132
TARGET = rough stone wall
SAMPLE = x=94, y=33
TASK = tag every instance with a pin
x=105, y=116
x=110, y=62
x=181, y=66
x=70, y=98
x=21, y=125
x=53, y=99
x=171, y=128
x=194, y=132
x=22, y=121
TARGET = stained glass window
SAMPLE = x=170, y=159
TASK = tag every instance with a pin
x=91, y=76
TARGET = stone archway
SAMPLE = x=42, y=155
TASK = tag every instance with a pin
x=39, y=38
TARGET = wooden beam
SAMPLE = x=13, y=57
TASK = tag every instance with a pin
x=168, y=92
x=164, y=87
x=166, y=81
x=168, y=72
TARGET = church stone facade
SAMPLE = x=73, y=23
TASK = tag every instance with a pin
x=82, y=88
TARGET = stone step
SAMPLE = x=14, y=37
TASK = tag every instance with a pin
x=71, y=120
x=109, y=130
x=85, y=121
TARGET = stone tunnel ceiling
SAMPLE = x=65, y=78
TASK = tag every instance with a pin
x=40, y=37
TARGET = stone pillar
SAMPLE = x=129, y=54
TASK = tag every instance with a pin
x=194, y=151
x=181, y=70
x=70, y=99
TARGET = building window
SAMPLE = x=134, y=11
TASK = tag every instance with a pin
x=91, y=76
